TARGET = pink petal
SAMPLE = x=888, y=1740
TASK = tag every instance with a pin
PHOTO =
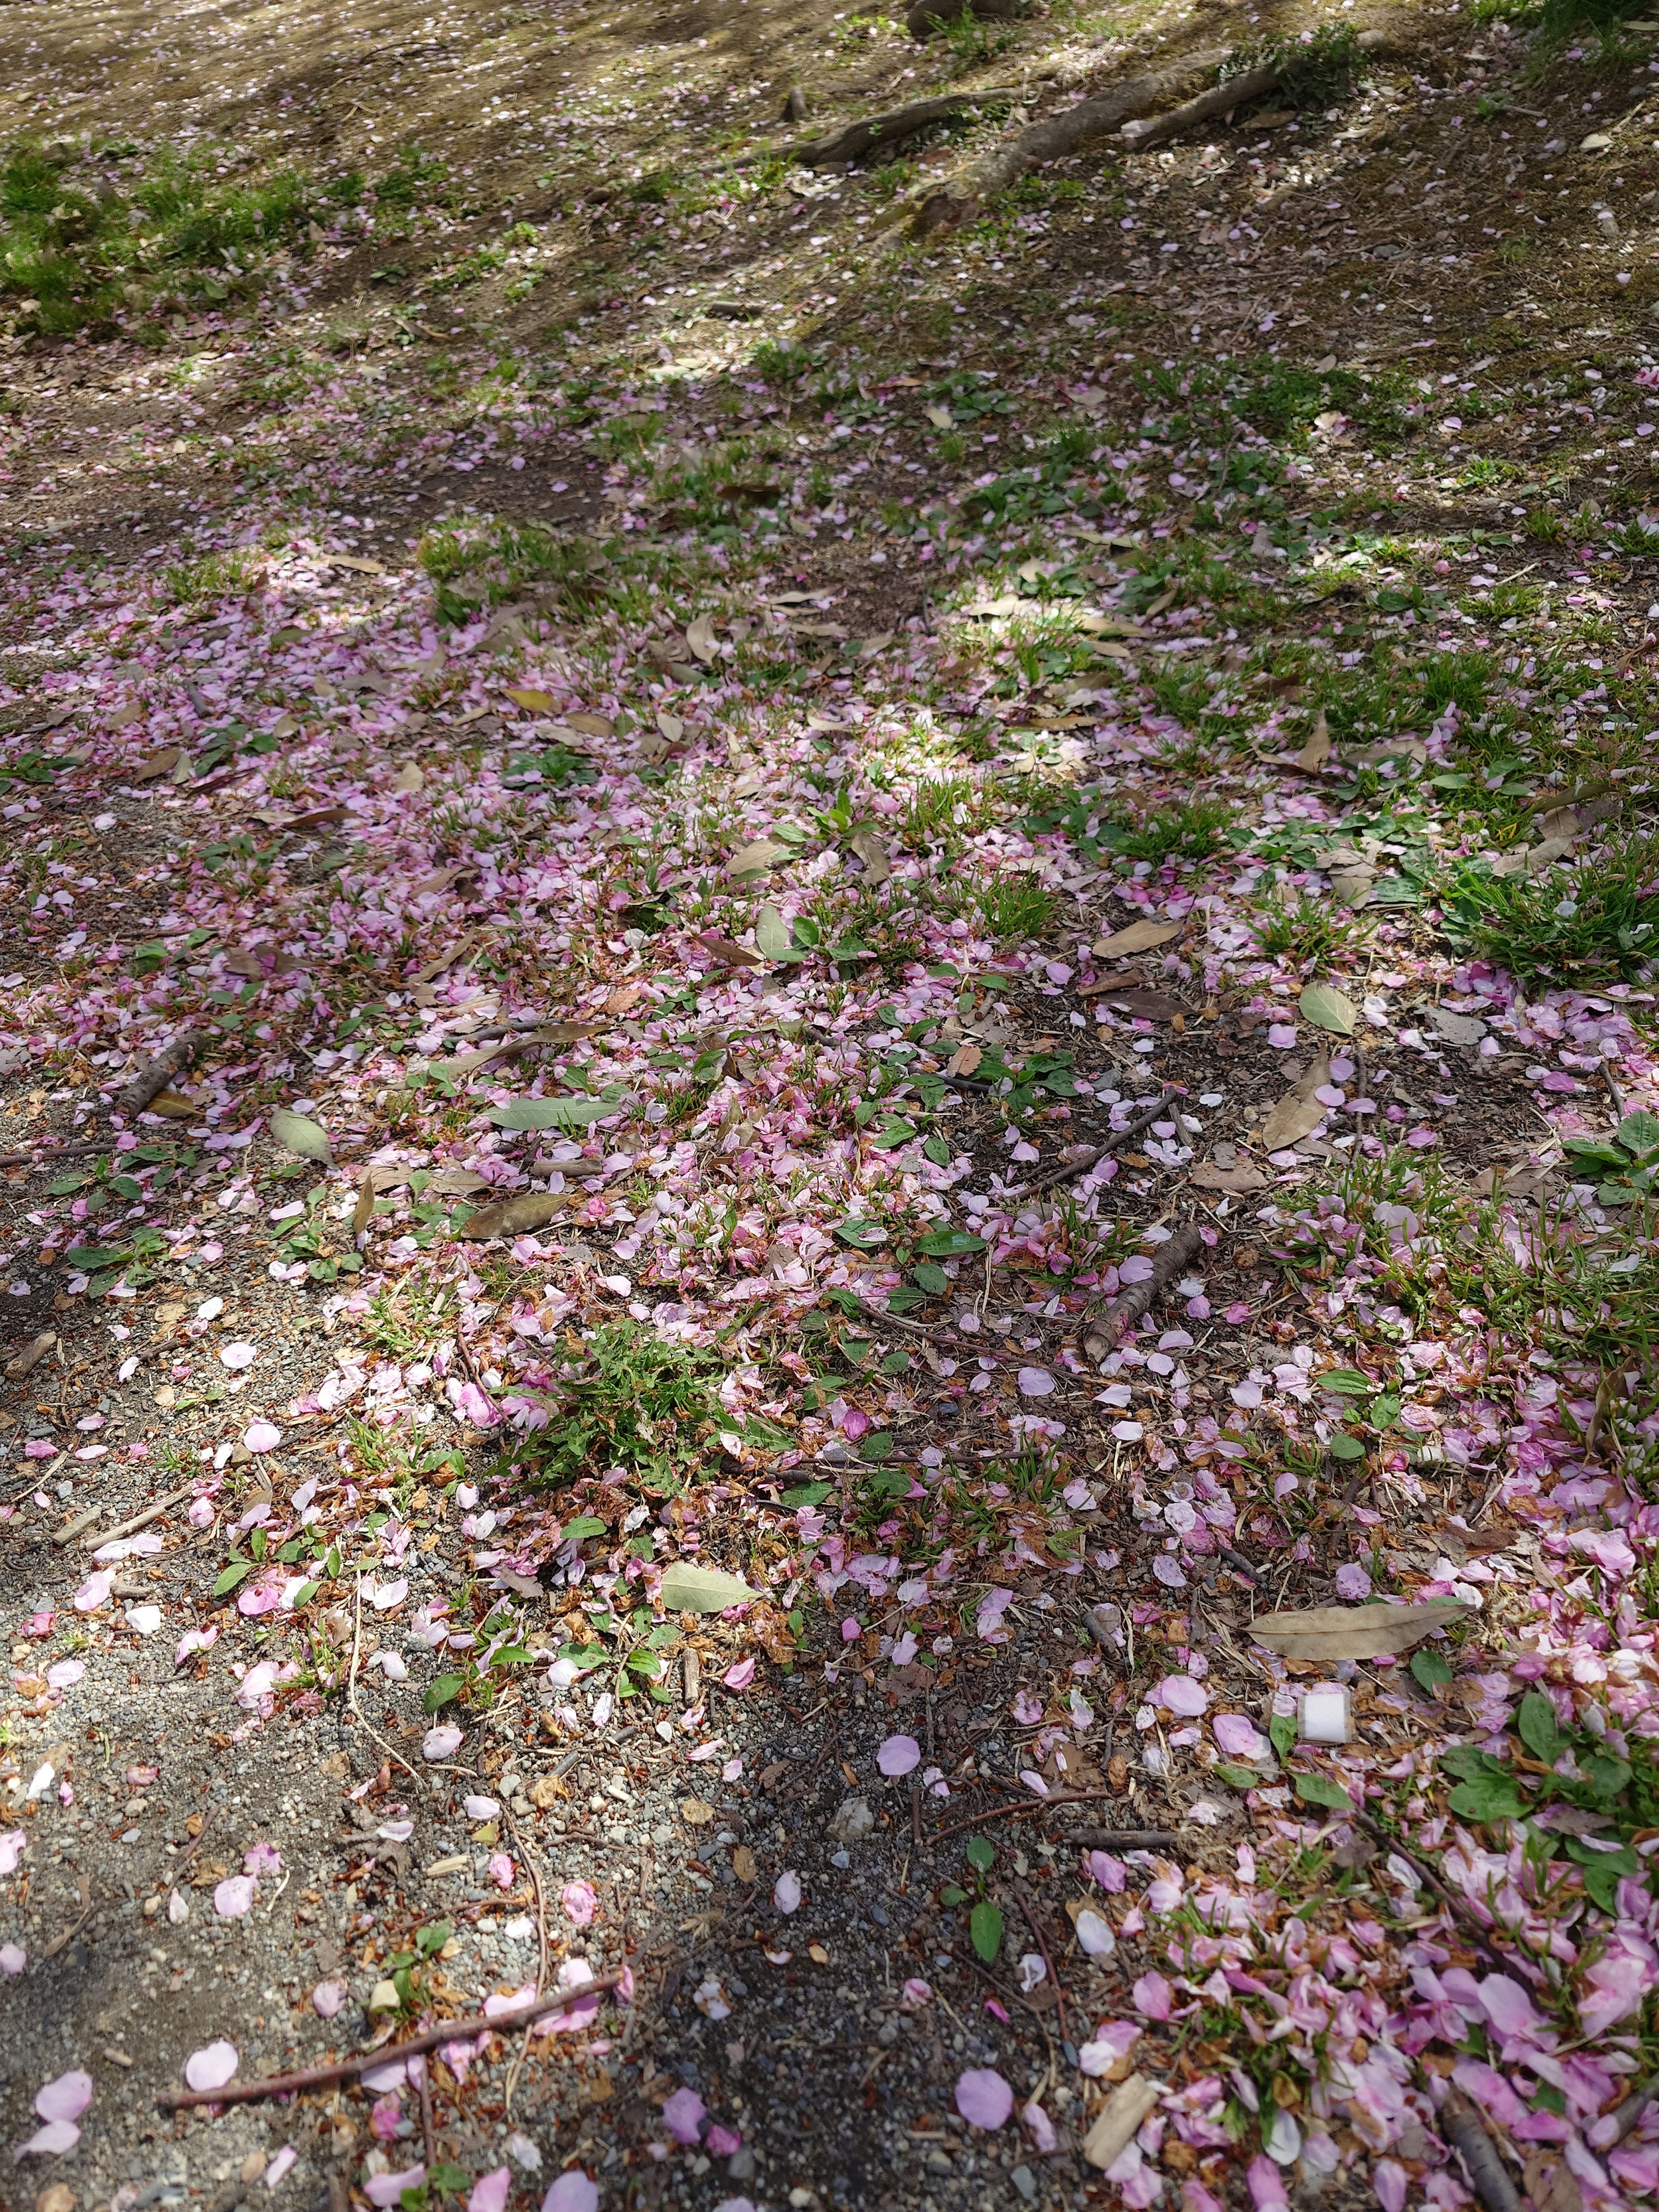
x=785, y=1891
x=212, y=2066
x=262, y=1437
x=723, y=2142
x=1040, y=2127
x=385, y=2189
x=262, y=1858
x=63, y=1674
x=1182, y=1695
x=1353, y=1584
x=481, y=1808
x=915, y=1994
x=740, y=1676
x=501, y=1869
x=327, y=1998
x=491, y=2191
x=900, y=1754
x=51, y=2141
x=66, y=2097
x=1266, y=2185
x=232, y=1899
x=682, y=2116
x=580, y=1901
x=441, y=1744
x=1239, y=1737
x=572, y=2192
x=1153, y=1996
x=13, y=1844
x=1036, y=1382
x=983, y=2097
x=281, y=2165
x=13, y=1958
x=93, y=1593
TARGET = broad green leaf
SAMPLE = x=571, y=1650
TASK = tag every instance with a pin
x=441, y=1691
x=1348, y=1382
x=949, y=1897
x=231, y=1577
x=686, y=1589
x=773, y=937
x=1487, y=1797
x=1607, y=1776
x=1328, y=1008
x=298, y=1133
x=1236, y=1778
x=877, y=1446
x=981, y=1853
x=985, y=1926
x=809, y=1493
x=554, y=1113
x=1385, y=1413
x=1430, y=1671
x=933, y=1279
x=1343, y=1446
x=949, y=1243
x=1536, y=1726
x=1322, y=1789
x=862, y=1236
x=1639, y=1133
x=586, y=1525
x=304, y=1594
x=1281, y=1734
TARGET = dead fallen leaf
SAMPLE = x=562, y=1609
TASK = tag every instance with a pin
x=1139, y=1004
x=1317, y=751
x=409, y=777
x=1298, y=1113
x=516, y=1216
x=591, y=726
x=1325, y=1633
x=1138, y=937
x=964, y=1059
x=174, y=1106
x=533, y=702
x=760, y=855
x=742, y=1862
x=874, y=853
x=1119, y=2121
x=1238, y=1180
x=456, y=1182
x=700, y=639
x=33, y=1351
x=817, y=1952
x=696, y=1813
x=624, y=996
x=546, y=1791
x=157, y=764
x=722, y=948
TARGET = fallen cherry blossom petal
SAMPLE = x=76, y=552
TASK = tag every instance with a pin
x=983, y=2097
x=574, y=2192
x=441, y=1742
x=212, y=2066
x=898, y=1755
x=233, y=1898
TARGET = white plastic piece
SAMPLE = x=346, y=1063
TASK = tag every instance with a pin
x=1326, y=1715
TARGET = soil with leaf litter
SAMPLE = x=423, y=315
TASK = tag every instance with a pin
x=890, y=1289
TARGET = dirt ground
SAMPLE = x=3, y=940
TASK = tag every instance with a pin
x=580, y=329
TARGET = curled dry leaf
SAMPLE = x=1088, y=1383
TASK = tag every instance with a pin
x=1325, y=1633
x=1317, y=750
x=700, y=639
x=1139, y=937
x=1298, y=1113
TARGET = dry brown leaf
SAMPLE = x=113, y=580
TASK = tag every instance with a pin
x=743, y=1863
x=456, y=1182
x=1138, y=937
x=1238, y=1181
x=161, y=763
x=693, y=1809
x=533, y=702
x=700, y=639
x=624, y=996
x=174, y=1106
x=1325, y=1633
x=722, y=948
x=1298, y=1113
x=964, y=1059
x=874, y=853
x=1317, y=750
x=409, y=777
x=758, y=857
x=516, y=1216
x=546, y=1791
x=591, y=726
x=1119, y=2121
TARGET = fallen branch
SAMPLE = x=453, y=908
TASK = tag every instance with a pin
x=344, y=2070
x=1132, y=1127
x=1014, y=1811
x=138, y=1521
x=1125, y=1840
x=1489, y=2177
x=157, y=1073
x=1221, y=99
x=1172, y=1255
x=962, y=197
x=854, y=140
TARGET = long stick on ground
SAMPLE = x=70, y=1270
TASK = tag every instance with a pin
x=962, y=197
x=854, y=140
x=344, y=2070
x=1142, y=1119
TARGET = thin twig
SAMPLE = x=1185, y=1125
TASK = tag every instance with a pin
x=428, y=2141
x=523, y=2051
x=1031, y=1921
x=1015, y=1811
x=345, y=2069
x=1132, y=1127
x=1459, y=1910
